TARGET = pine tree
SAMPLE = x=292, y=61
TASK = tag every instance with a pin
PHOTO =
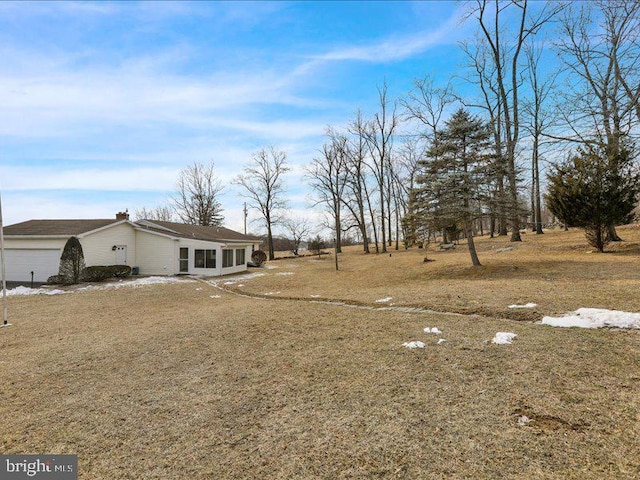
x=454, y=183
x=584, y=191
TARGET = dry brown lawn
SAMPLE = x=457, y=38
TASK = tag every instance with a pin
x=558, y=271
x=167, y=382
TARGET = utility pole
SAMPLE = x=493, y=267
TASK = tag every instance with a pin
x=245, y=217
x=5, y=322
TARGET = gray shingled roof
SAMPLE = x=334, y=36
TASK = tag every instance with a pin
x=199, y=232
x=56, y=227
x=68, y=228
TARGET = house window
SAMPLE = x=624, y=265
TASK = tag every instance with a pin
x=227, y=258
x=240, y=256
x=204, y=258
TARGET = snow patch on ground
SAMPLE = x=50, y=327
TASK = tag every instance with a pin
x=384, y=300
x=33, y=291
x=314, y=296
x=523, y=420
x=503, y=338
x=441, y=341
x=414, y=344
x=434, y=330
x=284, y=273
x=272, y=293
x=595, y=318
x=236, y=278
x=138, y=282
x=214, y=296
x=526, y=305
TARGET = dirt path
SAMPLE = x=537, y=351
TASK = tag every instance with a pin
x=333, y=302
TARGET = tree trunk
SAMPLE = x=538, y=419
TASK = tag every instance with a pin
x=338, y=229
x=536, y=198
x=389, y=195
x=472, y=246
x=492, y=225
x=538, y=205
x=383, y=232
x=373, y=226
x=612, y=235
x=272, y=255
x=502, y=214
x=515, y=217
x=397, y=228
x=533, y=195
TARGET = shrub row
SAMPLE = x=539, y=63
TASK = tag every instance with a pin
x=96, y=273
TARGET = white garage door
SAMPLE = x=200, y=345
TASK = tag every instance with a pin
x=19, y=263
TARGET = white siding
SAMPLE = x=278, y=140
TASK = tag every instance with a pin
x=98, y=246
x=156, y=255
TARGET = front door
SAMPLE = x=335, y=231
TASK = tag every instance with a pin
x=121, y=254
x=184, y=260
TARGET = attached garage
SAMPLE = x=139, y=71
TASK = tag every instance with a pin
x=20, y=262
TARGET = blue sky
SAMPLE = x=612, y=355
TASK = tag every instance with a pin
x=104, y=103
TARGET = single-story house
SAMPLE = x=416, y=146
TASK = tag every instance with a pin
x=154, y=247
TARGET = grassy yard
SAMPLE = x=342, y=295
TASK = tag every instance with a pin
x=191, y=381
x=558, y=271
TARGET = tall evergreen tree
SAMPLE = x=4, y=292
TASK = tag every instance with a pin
x=71, y=262
x=453, y=185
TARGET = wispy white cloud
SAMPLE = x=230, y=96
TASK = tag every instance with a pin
x=122, y=118
x=20, y=206
x=395, y=47
x=44, y=8
x=105, y=178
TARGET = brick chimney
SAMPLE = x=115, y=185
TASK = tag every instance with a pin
x=122, y=215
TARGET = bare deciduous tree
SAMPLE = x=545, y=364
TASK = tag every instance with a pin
x=504, y=50
x=196, y=200
x=297, y=229
x=379, y=136
x=409, y=154
x=161, y=213
x=537, y=123
x=357, y=198
x=489, y=100
x=427, y=103
x=263, y=188
x=601, y=104
x=328, y=179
